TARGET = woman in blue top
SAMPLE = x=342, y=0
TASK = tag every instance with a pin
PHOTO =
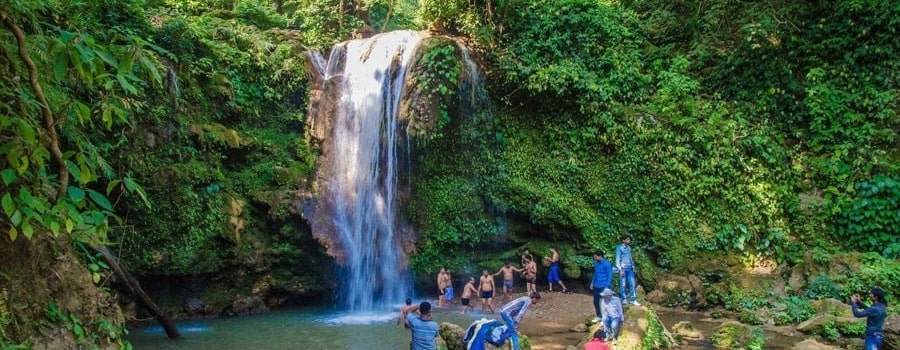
x=874, y=315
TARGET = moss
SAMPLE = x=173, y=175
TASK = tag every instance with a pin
x=734, y=335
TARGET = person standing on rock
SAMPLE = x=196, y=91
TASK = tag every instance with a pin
x=423, y=329
x=553, y=275
x=486, y=290
x=874, y=315
x=625, y=265
x=508, y=272
x=467, y=293
x=602, y=280
x=612, y=315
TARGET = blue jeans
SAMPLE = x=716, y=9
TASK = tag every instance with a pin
x=873, y=341
x=597, y=297
x=627, y=275
x=611, y=327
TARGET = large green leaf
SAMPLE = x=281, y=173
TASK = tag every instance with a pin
x=76, y=194
x=100, y=199
x=9, y=205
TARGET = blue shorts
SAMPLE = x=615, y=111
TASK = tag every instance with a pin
x=508, y=284
x=448, y=293
x=553, y=275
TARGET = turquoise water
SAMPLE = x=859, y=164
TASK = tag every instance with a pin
x=295, y=329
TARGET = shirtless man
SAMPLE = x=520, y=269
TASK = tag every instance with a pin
x=467, y=293
x=526, y=257
x=530, y=276
x=486, y=289
x=553, y=275
x=441, y=284
x=507, y=272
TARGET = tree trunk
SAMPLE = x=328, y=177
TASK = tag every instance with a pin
x=136, y=290
x=49, y=122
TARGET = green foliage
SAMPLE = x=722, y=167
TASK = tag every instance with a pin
x=87, y=335
x=738, y=336
x=853, y=329
x=821, y=287
x=793, y=310
x=656, y=336
x=872, y=221
x=830, y=331
x=583, y=54
x=874, y=271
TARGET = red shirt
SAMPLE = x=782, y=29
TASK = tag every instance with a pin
x=596, y=344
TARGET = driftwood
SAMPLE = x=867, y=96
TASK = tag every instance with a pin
x=132, y=284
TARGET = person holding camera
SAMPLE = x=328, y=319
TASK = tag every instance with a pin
x=874, y=315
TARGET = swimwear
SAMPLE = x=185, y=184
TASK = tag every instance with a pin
x=448, y=293
x=553, y=276
x=529, y=278
x=508, y=284
x=465, y=301
x=487, y=295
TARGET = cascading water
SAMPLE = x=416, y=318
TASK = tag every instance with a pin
x=360, y=187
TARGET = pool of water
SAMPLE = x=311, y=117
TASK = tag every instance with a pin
x=291, y=329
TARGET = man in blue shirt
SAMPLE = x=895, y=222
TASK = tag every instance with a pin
x=625, y=265
x=874, y=315
x=424, y=329
x=602, y=280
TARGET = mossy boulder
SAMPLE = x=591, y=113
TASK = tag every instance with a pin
x=686, y=330
x=812, y=344
x=736, y=335
x=673, y=290
x=452, y=335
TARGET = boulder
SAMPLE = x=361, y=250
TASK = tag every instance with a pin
x=686, y=330
x=831, y=306
x=673, y=290
x=243, y=306
x=736, y=335
x=814, y=324
x=811, y=344
x=892, y=332
x=452, y=335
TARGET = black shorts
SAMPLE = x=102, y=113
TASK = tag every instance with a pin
x=487, y=295
x=465, y=301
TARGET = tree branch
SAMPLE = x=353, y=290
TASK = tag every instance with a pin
x=49, y=122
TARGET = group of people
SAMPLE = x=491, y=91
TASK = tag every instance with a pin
x=485, y=288
x=608, y=307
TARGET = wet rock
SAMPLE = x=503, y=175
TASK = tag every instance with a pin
x=811, y=344
x=247, y=306
x=194, y=307
x=686, y=330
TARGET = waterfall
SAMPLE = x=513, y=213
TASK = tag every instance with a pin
x=366, y=78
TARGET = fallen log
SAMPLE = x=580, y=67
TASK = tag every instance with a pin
x=135, y=288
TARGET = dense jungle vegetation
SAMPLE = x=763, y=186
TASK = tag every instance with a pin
x=173, y=132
